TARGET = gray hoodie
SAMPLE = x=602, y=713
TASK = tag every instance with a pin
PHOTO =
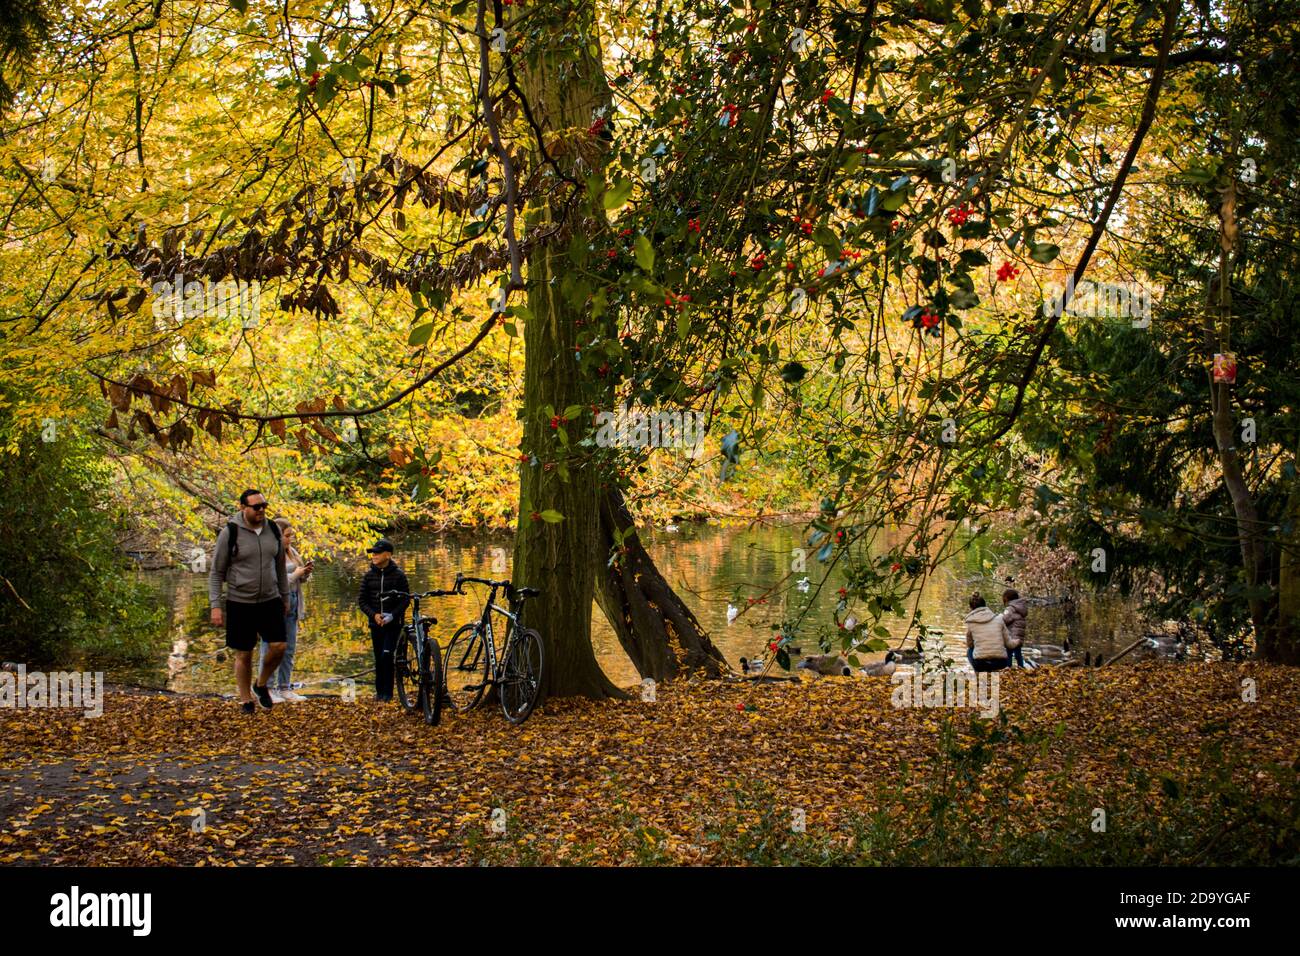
x=258, y=572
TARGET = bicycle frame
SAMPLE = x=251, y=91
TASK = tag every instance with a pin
x=418, y=629
x=488, y=637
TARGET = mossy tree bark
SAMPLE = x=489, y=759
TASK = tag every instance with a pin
x=564, y=83
x=655, y=627
x=1269, y=576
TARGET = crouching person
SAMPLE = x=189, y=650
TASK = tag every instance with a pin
x=987, y=638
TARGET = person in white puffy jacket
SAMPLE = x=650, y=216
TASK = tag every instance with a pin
x=987, y=637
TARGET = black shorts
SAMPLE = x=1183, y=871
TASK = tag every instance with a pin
x=244, y=622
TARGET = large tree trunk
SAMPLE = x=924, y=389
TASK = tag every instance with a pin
x=1281, y=644
x=1254, y=549
x=564, y=83
x=1284, y=641
x=655, y=627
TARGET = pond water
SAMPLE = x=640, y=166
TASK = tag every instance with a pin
x=711, y=566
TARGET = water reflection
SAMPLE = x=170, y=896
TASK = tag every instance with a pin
x=711, y=567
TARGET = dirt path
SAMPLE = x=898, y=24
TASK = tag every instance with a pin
x=329, y=781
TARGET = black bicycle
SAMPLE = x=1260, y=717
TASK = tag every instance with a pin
x=417, y=665
x=475, y=663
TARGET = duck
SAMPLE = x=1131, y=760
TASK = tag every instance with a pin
x=750, y=665
x=733, y=612
x=826, y=665
x=804, y=585
x=883, y=668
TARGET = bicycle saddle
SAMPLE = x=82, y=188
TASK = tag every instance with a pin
x=529, y=592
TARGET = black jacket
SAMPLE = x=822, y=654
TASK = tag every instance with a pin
x=391, y=578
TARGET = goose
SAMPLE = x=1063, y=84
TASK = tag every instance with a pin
x=826, y=664
x=750, y=665
x=804, y=585
x=884, y=668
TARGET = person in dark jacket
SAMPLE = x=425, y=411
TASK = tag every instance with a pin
x=1015, y=615
x=384, y=614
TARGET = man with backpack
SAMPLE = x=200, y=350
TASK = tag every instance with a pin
x=250, y=560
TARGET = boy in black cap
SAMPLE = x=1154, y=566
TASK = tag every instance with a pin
x=383, y=614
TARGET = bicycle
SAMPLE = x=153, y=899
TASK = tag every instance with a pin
x=473, y=664
x=417, y=665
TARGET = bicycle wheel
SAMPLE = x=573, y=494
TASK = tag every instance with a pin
x=465, y=667
x=521, y=680
x=406, y=672
x=431, y=684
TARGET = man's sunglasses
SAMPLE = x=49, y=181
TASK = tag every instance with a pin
x=259, y=507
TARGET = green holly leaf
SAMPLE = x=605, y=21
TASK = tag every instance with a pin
x=1044, y=252
x=645, y=253
x=793, y=372
x=619, y=194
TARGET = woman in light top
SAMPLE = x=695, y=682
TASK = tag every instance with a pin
x=298, y=570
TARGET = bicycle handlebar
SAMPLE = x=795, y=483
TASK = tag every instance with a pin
x=509, y=586
x=425, y=594
x=459, y=588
